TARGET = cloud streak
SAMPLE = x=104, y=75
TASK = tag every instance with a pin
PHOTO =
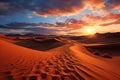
x=41, y=7
x=103, y=21
x=59, y=28
x=68, y=24
x=54, y=7
x=67, y=27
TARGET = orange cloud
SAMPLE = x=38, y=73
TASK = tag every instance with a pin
x=114, y=17
x=75, y=24
x=111, y=23
x=95, y=3
x=110, y=18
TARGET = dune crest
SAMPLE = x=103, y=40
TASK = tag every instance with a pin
x=67, y=62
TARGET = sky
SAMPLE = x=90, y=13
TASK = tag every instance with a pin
x=59, y=17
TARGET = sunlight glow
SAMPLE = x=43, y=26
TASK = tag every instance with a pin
x=89, y=30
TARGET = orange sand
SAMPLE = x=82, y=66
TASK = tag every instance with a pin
x=67, y=62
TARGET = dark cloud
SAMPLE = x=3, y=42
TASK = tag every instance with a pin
x=113, y=4
x=60, y=7
x=54, y=7
x=24, y=25
x=4, y=26
x=42, y=7
x=47, y=28
x=69, y=24
x=7, y=8
x=23, y=30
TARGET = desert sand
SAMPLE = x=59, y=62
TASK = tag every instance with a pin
x=68, y=61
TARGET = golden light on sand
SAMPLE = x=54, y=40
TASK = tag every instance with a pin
x=89, y=30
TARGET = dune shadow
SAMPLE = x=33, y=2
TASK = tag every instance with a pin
x=40, y=44
x=110, y=49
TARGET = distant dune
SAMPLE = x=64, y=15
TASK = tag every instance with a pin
x=59, y=59
x=38, y=44
x=6, y=38
x=98, y=38
x=111, y=48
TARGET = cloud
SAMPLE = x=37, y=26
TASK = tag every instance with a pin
x=54, y=7
x=111, y=23
x=95, y=3
x=75, y=24
x=110, y=16
x=41, y=7
x=28, y=25
x=103, y=4
x=113, y=16
x=68, y=24
x=23, y=30
x=112, y=19
x=9, y=8
x=103, y=20
x=59, y=7
x=113, y=4
x=59, y=28
x=4, y=26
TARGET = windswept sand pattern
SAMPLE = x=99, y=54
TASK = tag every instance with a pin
x=68, y=62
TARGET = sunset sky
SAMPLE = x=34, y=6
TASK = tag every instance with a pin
x=59, y=17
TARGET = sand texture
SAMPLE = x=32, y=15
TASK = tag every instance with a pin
x=68, y=61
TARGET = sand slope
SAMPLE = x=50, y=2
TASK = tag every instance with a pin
x=68, y=62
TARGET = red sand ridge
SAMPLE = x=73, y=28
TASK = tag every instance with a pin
x=70, y=61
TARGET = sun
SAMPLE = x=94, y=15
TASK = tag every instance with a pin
x=89, y=31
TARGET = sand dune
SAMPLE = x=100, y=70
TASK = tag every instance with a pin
x=6, y=38
x=111, y=48
x=40, y=44
x=70, y=61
